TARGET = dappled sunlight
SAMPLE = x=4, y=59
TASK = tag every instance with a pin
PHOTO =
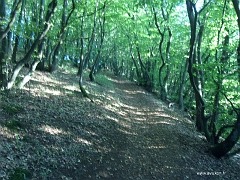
x=112, y=118
x=161, y=122
x=83, y=141
x=119, y=81
x=139, y=119
x=38, y=77
x=4, y=132
x=125, y=124
x=127, y=132
x=52, y=130
x=53, y=92
x=130, y=92
x=123, y=113
x=156, y=113
x=127, y=107
x=71, y=88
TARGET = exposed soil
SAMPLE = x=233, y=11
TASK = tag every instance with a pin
x=126, y=134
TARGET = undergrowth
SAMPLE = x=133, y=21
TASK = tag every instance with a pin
x=103, y=80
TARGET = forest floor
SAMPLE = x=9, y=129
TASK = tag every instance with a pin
x=49, y=131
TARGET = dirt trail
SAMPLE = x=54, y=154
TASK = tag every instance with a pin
x=150, y=143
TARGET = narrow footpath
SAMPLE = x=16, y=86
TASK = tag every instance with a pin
x=151, y=141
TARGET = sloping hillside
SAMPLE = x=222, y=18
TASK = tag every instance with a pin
x=49, y=131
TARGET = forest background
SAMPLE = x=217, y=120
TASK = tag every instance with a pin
x=187, y=52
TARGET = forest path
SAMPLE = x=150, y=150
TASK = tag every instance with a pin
x=54, y=133
x=153, y=142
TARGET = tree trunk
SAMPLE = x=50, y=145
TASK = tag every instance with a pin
x=102, y=34
x=201, y=121
x=4, y=32
x=135, y=63
x=163, y=80
x=64, y=24
x=146, y=78
x=182, y=86
x=52, y=6
x=39, y=59
x=15, y=48
x=36, y=61
x=219, y=81
x=224, y=147
x=89, y=48
x=237, y=10
x=3, y=46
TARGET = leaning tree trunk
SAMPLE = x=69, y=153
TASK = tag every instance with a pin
x=4, y=32
x=61, y=36
x=26, y=59
x=33, y=65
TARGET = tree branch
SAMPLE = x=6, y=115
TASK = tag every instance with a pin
x=13, y=17
x=234, y=108
x=204, y=6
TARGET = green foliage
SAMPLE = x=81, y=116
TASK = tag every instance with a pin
x=14, y=125
x=103, y=80
x=20, y=174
